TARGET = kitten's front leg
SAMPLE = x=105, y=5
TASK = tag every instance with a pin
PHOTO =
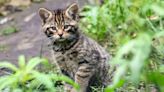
x=87, y=68
x=83, y=75
x=68, y=88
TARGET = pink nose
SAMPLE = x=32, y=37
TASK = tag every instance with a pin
x=60, y=34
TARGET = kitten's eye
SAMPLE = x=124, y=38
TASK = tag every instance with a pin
x=67, y=27
x=52, y=28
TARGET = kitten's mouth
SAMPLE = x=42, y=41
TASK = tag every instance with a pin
x=61, y=39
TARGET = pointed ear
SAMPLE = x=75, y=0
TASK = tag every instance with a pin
x=45, y=13
x=72, y=11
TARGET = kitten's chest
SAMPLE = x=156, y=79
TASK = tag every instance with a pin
x=67, y=61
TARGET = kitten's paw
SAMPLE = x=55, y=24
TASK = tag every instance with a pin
x=73, y=90
x=67, y=88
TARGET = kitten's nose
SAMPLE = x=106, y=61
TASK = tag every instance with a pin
x=60, y=35
x=60, y=32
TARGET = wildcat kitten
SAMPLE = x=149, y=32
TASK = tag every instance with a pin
x=79, y=57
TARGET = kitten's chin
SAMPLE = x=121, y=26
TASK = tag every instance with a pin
x=64, y=40
x=61, y=40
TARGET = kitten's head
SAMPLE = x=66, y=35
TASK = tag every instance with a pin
x=60, y=25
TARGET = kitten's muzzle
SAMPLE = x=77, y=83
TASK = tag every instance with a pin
x=60, y=35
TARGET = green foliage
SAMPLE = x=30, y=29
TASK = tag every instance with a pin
x=122, y=18
x=26, y=78
x=133, y=32
x=95, y=23
x=8, y=31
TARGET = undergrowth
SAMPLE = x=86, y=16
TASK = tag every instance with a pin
x=27, y=78
x=133, y=33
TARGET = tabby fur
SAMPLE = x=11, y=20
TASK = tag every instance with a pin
x=78, y=56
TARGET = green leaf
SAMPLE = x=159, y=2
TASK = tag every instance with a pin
x=158, y=9
x=45, y=62
x=7, y=81
x=44, y=79
x=108, y=89
x=121, y=71
x=21, y=61
x=66, y=79
x=8, y=65
x=18, y=90
x=112, y=88
x=32, y=63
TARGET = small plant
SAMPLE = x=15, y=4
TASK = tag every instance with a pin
x=8, y=31
x=26, y=78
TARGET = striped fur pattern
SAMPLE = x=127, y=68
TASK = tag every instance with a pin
x=79, y=57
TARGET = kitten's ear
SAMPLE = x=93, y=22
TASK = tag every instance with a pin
x=72, y=11
x=45, y=13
